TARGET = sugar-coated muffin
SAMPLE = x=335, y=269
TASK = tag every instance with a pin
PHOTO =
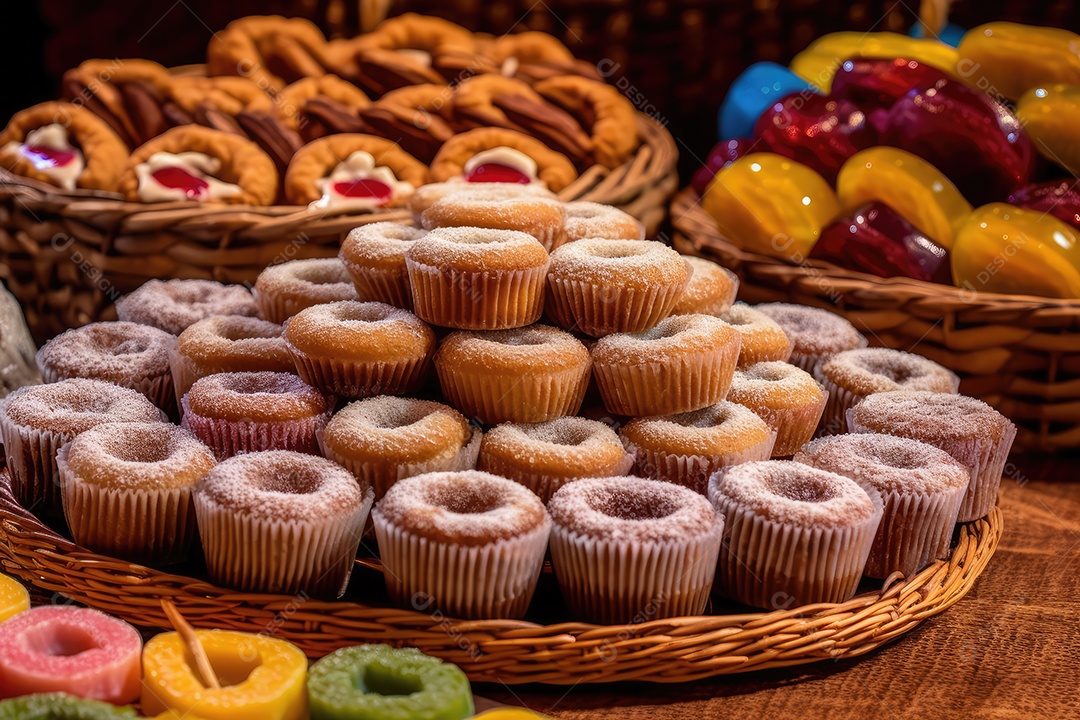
x=176, y=305
x=763, y=340
x=816, y=334
x=283, y=290
x=785, y=397
x=469, y=542
x=374, y=255
x=711, y=291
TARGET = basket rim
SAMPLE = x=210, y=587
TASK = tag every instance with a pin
x=511, y=651
x=689, y=218
x=654, y=158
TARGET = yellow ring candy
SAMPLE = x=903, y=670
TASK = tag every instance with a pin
x=768, y=204
x=914, y=188
x=818, y=63
x=1006, y=249
x=262, y=678
x=13, y=598
x=1051, y=116
x=1004, y=58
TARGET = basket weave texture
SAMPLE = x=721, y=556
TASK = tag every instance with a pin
x=1020, y=354
x=667, y=651
x=68, y=256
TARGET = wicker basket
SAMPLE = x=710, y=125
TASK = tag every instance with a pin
x=672, y=650
x=68, y=256
x=1021, y=354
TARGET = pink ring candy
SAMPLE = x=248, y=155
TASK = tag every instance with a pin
x=73, y=650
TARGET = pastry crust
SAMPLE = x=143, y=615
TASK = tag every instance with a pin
x=289, y=103
x=103, y=151
x=528, y=47
x=242, y=162
x=605, y=112
x=552, y=167
x=412, y=31
x=411, y=49
x=230, y=95
x=97, y=85
x=317, y=159
x=269, y=50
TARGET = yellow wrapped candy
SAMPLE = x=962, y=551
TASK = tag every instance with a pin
x=1004, y=58
x=1051, y=115
x=818, y=63
x=914, y=188
x=768, y=204
x=13, y=598
x=1005, y=249
x=261, y=678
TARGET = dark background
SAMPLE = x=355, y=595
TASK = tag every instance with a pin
x=676, y=56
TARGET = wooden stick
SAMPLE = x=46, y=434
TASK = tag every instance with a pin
x=191, y=638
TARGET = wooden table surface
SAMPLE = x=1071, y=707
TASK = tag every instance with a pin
x=1009, y=649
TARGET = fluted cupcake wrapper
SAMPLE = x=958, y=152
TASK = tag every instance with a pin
x=184, y=373
x=771, y=565
x=158, y=389
x=834, y=418
x=808, y=362
x=622, y=581
x=31, y=462
x=527, y=397
x=152, y=526
x=492, y=581
x=985, y=459
x=382, y=475
x=686, y=383
x=484, y=300
x=915, y=530
x=544, y=485
x=357, y=378
x=280, y=556
x=234, y=437
x=600, y=310
x=694, y=471
x=794, y=426
x=276, y=308
x=379, y=285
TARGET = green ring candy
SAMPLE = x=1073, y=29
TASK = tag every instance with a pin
x=378, y=682
x=60, y=706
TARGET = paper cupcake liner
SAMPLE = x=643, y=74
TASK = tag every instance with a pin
x=613, y=582
x=147, y=526
x=834, y=418
x=915, y=530
x=491, y=581
x=544, y=485
x=794, y=426
x=807, y=361
x=382, y=475
x=694, y=471
x=529, y=397
x=280, y=556
x=184, y=373
x=687, y=383
x=984, y=458
x=31, y=461
x=770, y=565
x=379, y=285
x=358, y=379
x=234, y=437
x=600, y=310
x=487, y=300
x=277, y=308
x=158, y=389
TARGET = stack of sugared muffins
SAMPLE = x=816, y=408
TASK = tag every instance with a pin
x=414, y=381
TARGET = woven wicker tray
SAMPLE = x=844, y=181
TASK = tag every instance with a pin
x=68, y=256
x=1019, y=353
x=671, y=650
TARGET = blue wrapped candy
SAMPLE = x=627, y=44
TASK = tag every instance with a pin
x=753, y=91
x=950, y=34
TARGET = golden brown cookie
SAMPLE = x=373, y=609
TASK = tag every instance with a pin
x=242, y=163
x=114, y=90
x=319, y=106
x=269, y=50
x=492, y=100
x=102, y=149
x=229, y=95
x=605, y=113
x=410, y=49
x=418, y=116
x=318, y=159
x=552, y=168
x=528, y=48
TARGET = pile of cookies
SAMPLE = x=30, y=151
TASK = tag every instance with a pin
x=641, y=432
x=285, y=116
